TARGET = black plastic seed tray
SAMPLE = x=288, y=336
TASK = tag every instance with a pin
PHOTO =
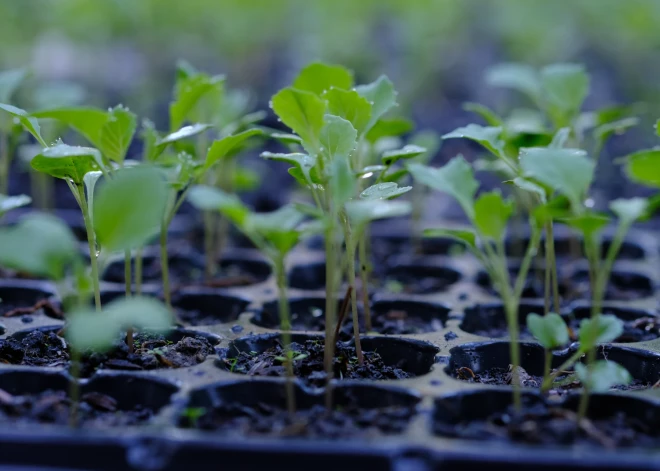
x=435, y=316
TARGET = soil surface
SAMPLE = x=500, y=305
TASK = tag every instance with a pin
x=546, y=425
x=46, y=348
x=563, y=383
x=94, y=410
x=309, y=365
x=347, y=420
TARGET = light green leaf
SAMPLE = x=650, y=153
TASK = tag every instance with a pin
x=532, y=187
x=10, y=80
x=361, y=212
x=90, y=330
x=303, y=112
x=603, y=329
x=128, y=209
x=29, y=122
x=629, y=210
x=86, y=121
x=560, y=138
x=342, y=181
x=382, y=97
x=568, y=171
x=348, y=104
x=602, y=375
x=318, y=78
x=338, y=139
x=565, y=86
x=207, y=198
x=489, y=137
x=643, y=167
x=303, y=162
x=456, y=179
x=486, y=113
x=389, y=127
x=7, y=203
x=183, y=133
x=520, y=77
x=67, y=162
x=40, y=245
x=150, y=137
x=189, y=92
x=588, y=223
x=117, y=133
x=550, y=330
x=370, y=170
x=384, y=191
x=286, y=138
x=279, y=229
x=492, y=214
x=89, y=180
x=409, y=151
x=465, y=236
x=228, y=146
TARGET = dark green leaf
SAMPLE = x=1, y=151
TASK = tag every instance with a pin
x=643, y=167
x=67, y=162
x=550, y=330
x=318, y=78
x=228, y=146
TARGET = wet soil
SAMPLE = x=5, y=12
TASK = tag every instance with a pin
x=309, y=365
x=47, y=348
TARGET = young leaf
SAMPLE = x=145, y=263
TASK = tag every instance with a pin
x=602, y=375
x=389, y=127
x=520, y=77
x=456, y=179
x=382, y=97
x=338, y=139
x=565, y=86
x=67, y=162
x=342, y=181
x=486, y=113
x=183, y=133
x=643, y=167
x=602, y=329
x=228, y=146
x=568, y=171
x=86, y=121
x=588, y=223
x=10, y=80
x=189, y=92
x=384, y=191
x=361, y=212
x=409, y=151
x=318, y=78
x=532, y=187
x=489, y=137
x=89, y=330
x=285, y=138
x=560, y=138
x=302, y=162
x=40, y=245
x=117, y=133
x=7, y=203
x=629, y=210
x=492, y=213
x=207, y=198
x=29, y=122
x=550, y=330
x=129, y=209
x=465, y=236
x=280, y=228
x=303, y=112
x=348, y=104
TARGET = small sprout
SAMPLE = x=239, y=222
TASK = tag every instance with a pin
x=550, y=330
x=602, y=375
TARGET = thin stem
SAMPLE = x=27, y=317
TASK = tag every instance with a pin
x=330, y=314
x=552, y=260
x=525, y=265
x=285, y=324
x=547, y=381
x=350, y=254
x=363, y=260
x=128, y=293
x=511, y=311
x=91, y=240
x=584, y=404
x=138, y=271
x=164, y=266
x=547, y=363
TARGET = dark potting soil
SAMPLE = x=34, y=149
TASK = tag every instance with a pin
x=563, y=383
x=46, y=348
x=542, y=424
x=94, y=410
x=310, y=366
x=347, y=420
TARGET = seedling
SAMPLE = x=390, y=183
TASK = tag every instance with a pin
x=275, y=234
x=10, y=130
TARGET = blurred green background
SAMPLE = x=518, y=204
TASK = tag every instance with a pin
x=434, y=50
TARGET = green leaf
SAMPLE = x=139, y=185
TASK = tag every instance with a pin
x=568, y=171
x=318, y=78
x=629, y=210
x=7, y=203
x=384, y=191
x=10, y=80
x=520, y=77
x=492, y=213
x=348, y=104
x=183, y=133
x=560, y=138
x=389, y=127
x=588, y=223
x=280, y=228
x=532, y=187
x=86, y=121
x=40, y=245
x=303, y=112
x=302, y=162
x=565, y=86
x=602, y=375
x=207, y=198
x=128, y=209
x=342, y=181
x=149, y=137
x=465, y=236
x=361, y=212
x=90, y=330
x=67, y=162
x=395, y=176
x=29, y=122
x=338, y=139
x=489, y=137
x=550, y=330
x=643, y=167
x=189, y=93
x=286, y=138
x=117, y=133
x=486, y=113
x=89, y=180
x=409, y=151
x=228, y=146
x=603, y=329
x=382, y=97
x=456, y=179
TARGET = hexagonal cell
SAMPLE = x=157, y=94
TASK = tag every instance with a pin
x=106, y=401
x=27, y=298
x=203, y=306
x=258, y=408
x=488, y=415
x=384, y=358
x=489, y=320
